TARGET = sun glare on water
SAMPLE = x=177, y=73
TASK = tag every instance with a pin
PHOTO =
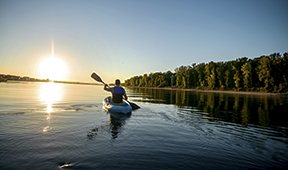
x=50, y=93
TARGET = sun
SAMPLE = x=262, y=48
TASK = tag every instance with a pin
x=53, y=68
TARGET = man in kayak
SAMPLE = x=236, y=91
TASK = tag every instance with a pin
x=118, y=92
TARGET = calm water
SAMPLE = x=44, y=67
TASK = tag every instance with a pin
x=61, y=126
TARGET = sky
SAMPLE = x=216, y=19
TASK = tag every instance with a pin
x=124, y=38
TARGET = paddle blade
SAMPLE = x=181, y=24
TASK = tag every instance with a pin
x=133, y=105
x=97, y=78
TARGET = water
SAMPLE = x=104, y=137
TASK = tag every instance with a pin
x=62, y=126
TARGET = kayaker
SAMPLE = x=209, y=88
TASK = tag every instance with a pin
x=118, y=92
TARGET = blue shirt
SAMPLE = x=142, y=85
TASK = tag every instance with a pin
x=117, y=94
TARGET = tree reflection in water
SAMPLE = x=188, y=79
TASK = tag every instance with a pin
x=263, y=110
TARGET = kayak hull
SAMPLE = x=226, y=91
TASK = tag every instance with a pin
x=123, y=108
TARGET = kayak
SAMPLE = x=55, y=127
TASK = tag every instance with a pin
x=123, y=107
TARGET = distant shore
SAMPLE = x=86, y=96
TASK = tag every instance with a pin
x=44, y=81
x=14, y=78
x=213, y=91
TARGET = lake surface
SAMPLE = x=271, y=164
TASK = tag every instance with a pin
x=63, y=126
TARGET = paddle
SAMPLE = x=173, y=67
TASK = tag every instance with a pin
x=98, y=78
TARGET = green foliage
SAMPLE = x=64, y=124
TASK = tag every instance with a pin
x=247, y=75
x=211, y=77
x=220, y=72
x=265, y=73
x=228, y=75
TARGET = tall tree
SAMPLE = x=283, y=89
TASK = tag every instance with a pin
x=200, y=69
x=228, y=75
x=247, y=75
x=182, y=76
x=220, y=72
x=264, y=72
x=238, y=79
x=210, y=71
x=193, y=76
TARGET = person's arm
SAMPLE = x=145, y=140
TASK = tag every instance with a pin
x=125, y=96
x=107, y=88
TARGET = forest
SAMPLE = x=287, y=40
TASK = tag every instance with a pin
x=267, y=73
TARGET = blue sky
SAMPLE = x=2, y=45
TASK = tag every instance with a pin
x=120, y=39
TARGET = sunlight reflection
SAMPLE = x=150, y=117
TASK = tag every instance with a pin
x=50, y=93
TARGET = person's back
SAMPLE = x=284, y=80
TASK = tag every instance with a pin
x=117, y=91
x=117, y=94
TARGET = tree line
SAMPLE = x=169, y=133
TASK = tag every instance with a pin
x=267, y=73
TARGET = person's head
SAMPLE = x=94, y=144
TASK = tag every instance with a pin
x=117, y=82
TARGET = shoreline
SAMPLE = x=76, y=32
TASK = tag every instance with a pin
x=56, y=81
x=215, y=91
x=165, y=88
